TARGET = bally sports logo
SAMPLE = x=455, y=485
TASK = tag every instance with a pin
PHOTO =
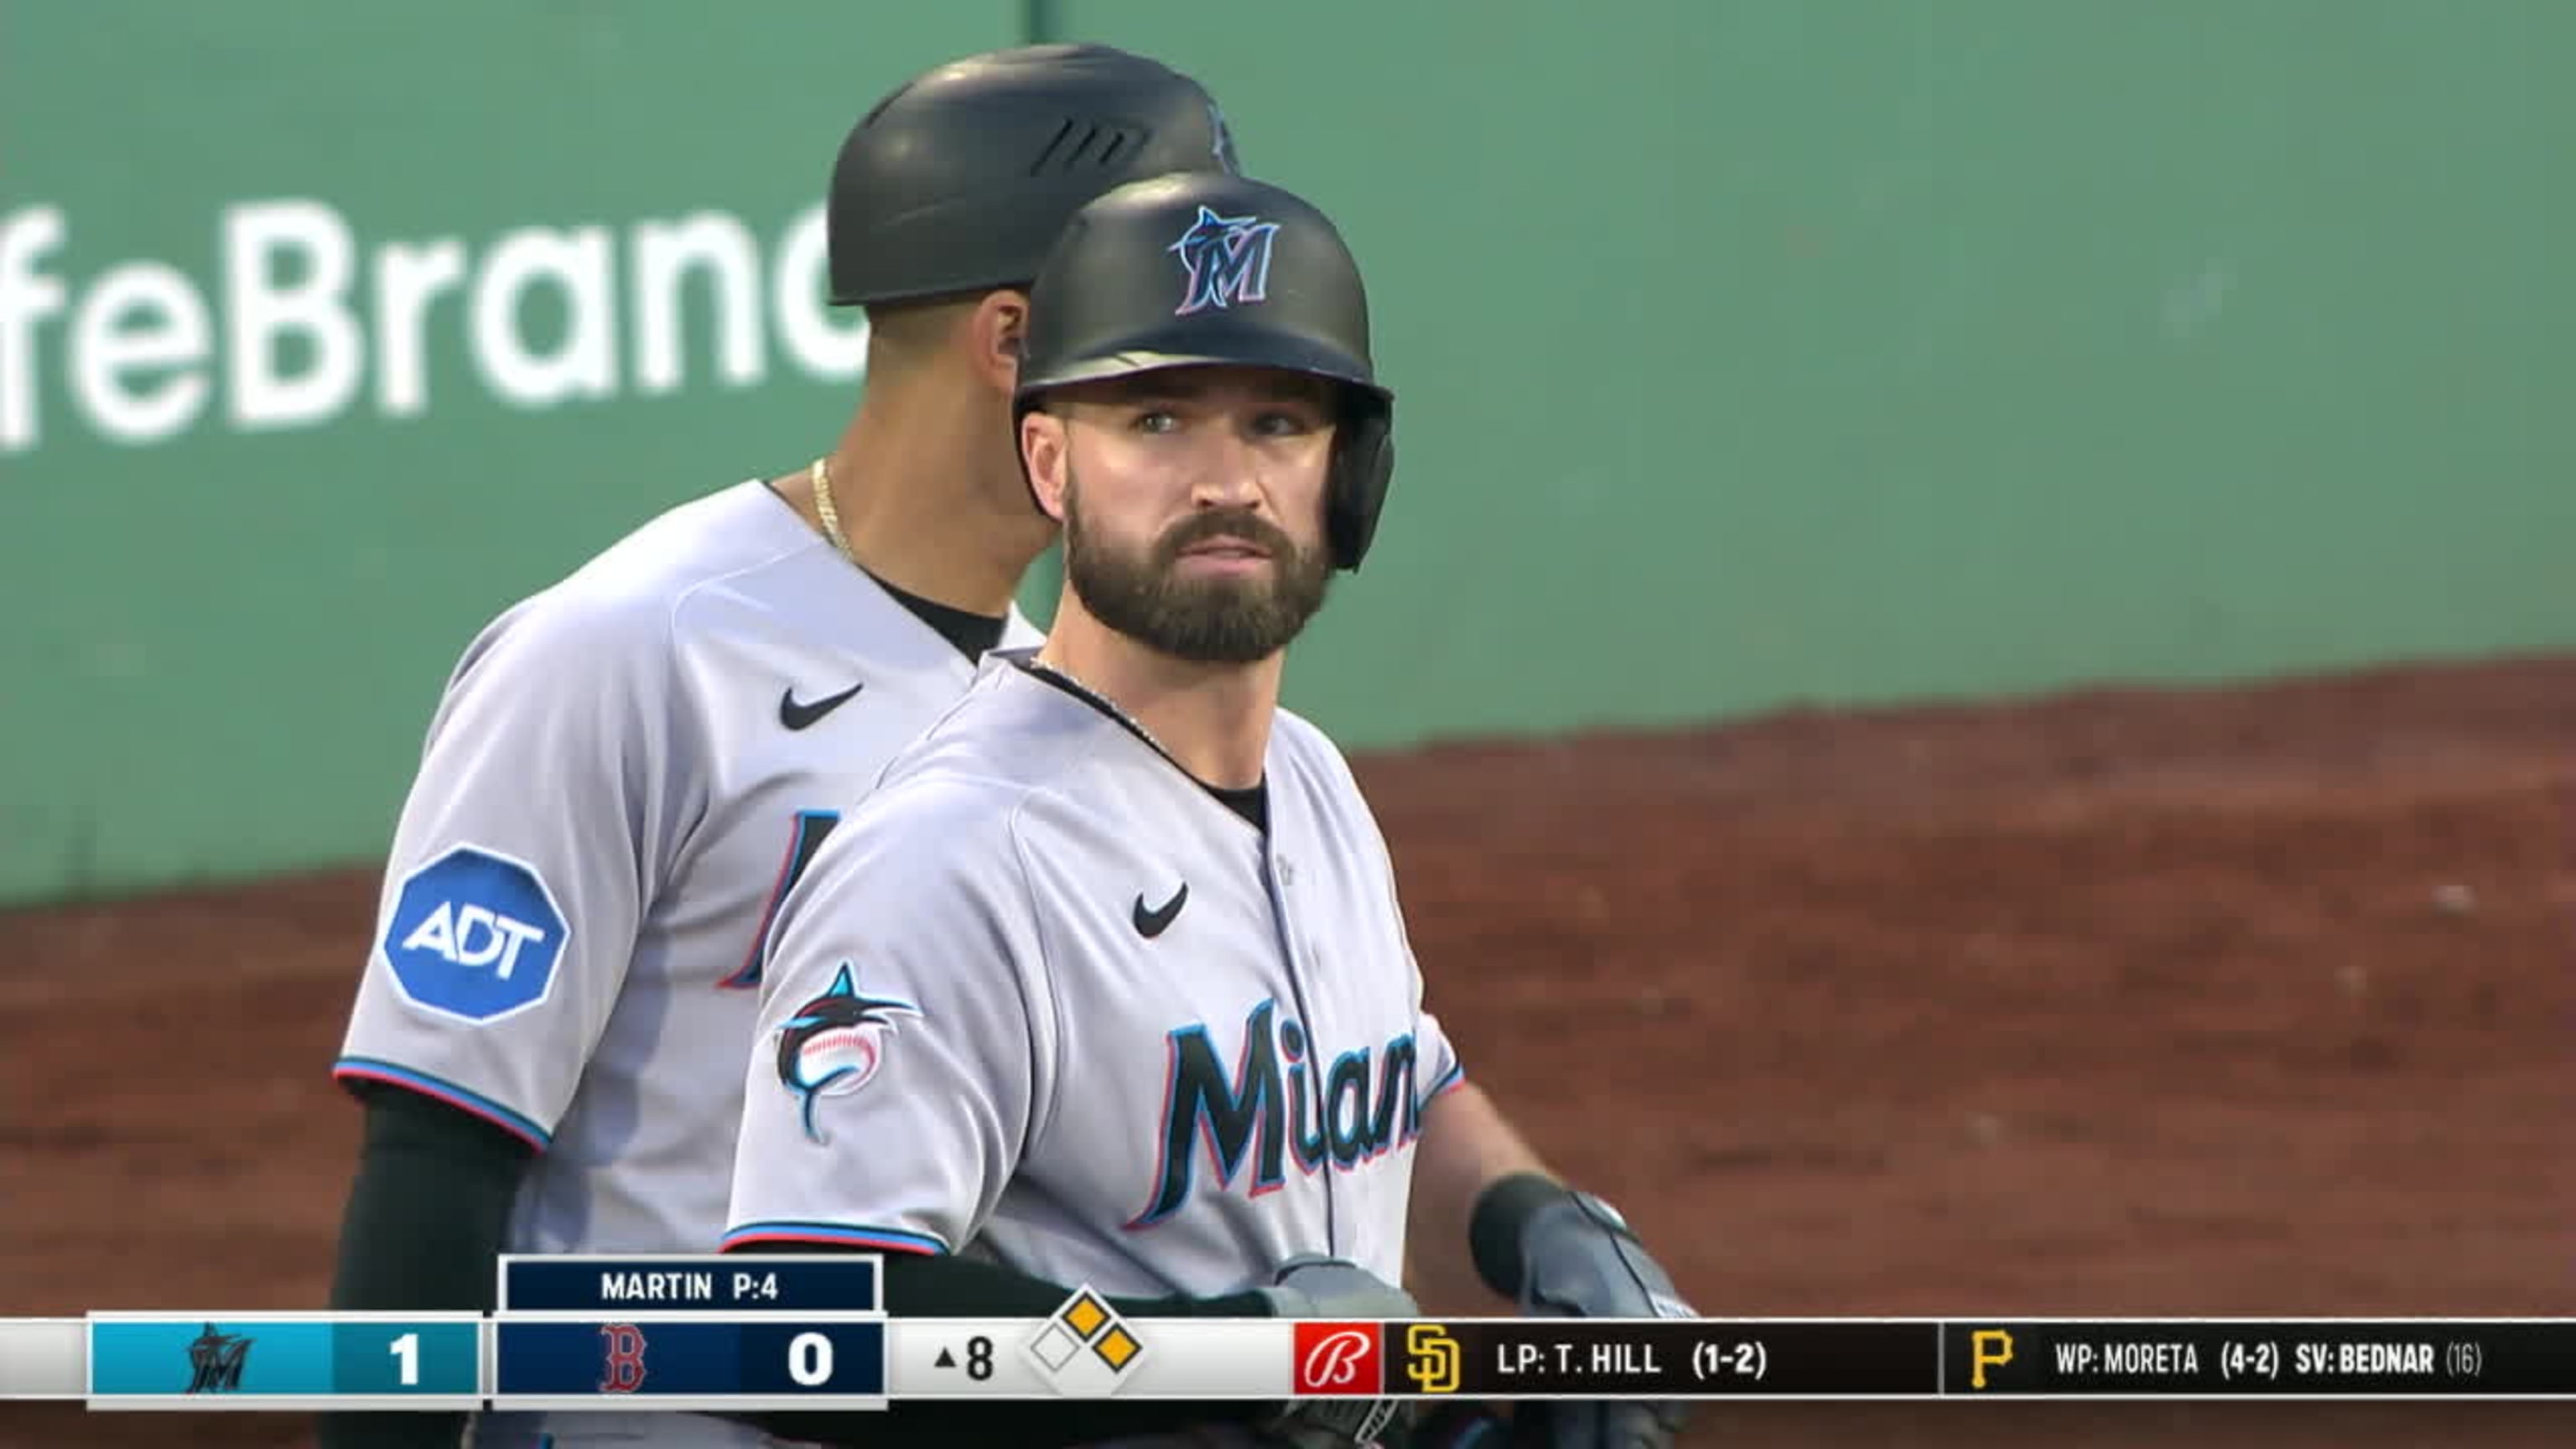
x=1339, y=1358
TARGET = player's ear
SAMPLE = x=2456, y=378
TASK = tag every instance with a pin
x=1045, y=454
x=994, y=334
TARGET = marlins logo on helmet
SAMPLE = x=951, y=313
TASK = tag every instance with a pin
x=1228, y=260
x=834, y=1043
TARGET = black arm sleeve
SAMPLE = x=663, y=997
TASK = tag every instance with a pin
x=928, y=1286
x=422, y=1230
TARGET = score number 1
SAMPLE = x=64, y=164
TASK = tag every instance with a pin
x=421, y=1360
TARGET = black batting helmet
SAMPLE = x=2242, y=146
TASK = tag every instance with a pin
x=1215, y=268
x=957, y=180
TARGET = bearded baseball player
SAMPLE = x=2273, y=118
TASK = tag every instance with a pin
x=628, y=769
x=1107, y=983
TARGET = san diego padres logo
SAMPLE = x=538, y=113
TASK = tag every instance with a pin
x=1431, y=1358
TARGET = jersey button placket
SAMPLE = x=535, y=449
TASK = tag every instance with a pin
x=1297, y=952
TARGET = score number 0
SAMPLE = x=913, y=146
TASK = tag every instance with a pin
x=809, y=1359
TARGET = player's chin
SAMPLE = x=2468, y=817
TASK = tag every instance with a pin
x=1219, y=569
x=1209, y=597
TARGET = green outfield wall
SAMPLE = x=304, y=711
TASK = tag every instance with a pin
x=1748, y=353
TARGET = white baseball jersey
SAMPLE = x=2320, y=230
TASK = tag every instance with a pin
x=624, y=774
x=1045, y=998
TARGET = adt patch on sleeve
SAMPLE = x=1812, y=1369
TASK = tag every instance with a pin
x=475, y=935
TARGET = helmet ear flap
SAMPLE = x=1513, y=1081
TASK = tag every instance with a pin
x=1363, y=466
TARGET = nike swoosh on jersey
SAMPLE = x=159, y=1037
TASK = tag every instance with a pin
x=804, y=716
x=1153, y=922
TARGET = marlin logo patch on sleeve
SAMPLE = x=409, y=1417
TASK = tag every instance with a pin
x=834, y=1044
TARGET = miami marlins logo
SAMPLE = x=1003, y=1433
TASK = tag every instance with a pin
x=835, y=1043
x=1228, y=261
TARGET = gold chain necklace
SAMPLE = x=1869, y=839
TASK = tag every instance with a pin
x=822, y=476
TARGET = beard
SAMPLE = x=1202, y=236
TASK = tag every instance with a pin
x=1142, y=594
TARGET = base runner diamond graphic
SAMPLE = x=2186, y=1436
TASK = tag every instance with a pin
x=1085, y=1350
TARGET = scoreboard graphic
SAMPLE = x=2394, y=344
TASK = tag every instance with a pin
x=722, y=1333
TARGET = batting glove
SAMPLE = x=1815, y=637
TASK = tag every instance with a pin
x=1568, y=1254
x=1313, y=1286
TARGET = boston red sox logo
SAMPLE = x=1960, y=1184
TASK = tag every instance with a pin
x=621, y=1352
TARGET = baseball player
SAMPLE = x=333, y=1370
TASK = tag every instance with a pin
x=1107, y=983
x=627, y=770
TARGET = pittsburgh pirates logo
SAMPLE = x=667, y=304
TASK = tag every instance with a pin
x=1227, y=259
x=835, y=1043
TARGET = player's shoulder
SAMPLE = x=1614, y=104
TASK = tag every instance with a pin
x=938, y=803
x=1306, y=765
x=1303, y=744
x=925, y=843
x=1009, y=735
x=649, y=571
x=618, y=605
x=1004, y=749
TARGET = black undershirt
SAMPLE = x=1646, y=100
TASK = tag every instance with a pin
x=973, y=635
